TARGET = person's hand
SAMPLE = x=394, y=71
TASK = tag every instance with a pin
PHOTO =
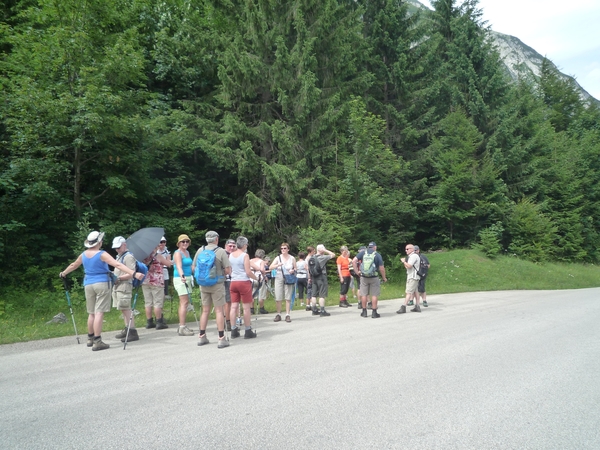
x=139, y=276
x=384, y=279
x=60, y=275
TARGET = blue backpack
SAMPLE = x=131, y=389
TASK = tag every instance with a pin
x=206, y=272
x=140, y=267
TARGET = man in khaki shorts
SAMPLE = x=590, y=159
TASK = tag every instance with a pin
x=123, y=288
x=411, y=263
x=369, y=264
x=214, y=295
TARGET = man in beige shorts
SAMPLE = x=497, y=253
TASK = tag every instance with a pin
x=123, y=288
x=214, y=295
x=411, y=263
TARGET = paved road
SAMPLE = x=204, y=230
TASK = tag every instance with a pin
x=493, y=370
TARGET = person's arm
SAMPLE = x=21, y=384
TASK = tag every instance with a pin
x=248, y=269
x=275, y=264
x=71, y=267
x=382, y=272
x=339, y=266
x=122, y=267
x=355, y=265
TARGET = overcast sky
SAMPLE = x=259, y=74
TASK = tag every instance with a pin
x=565, y=31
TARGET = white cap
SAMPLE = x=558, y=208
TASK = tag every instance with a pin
x=118, y=241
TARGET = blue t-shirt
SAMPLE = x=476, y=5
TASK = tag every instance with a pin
x=186, y=265
x=96, y=270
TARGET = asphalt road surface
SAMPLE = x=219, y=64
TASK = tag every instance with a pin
x=485, y=370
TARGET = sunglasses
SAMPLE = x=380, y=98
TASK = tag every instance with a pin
x=185, y=242
x=163, y=242
x=283, y=248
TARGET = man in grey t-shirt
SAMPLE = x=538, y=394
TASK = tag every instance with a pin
x=320, y=285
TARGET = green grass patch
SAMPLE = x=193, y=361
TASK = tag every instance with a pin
x=23, y=314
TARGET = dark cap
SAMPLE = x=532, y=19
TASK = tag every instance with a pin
x=372, y=244
x=416, y=248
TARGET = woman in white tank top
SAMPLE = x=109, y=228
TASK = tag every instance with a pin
x=241, y=287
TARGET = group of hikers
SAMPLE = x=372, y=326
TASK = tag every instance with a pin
x=228, y=277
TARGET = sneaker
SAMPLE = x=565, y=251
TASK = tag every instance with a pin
x=369, y=305
x=183, y=330
x=363, y=313
x=308, y=308
x=417, y=308
x=411, y=303
x=277, y=318
x=133, y=336
x=161, y=324
x=375, y=314
x=402, y=310
x=425, y=303
x=203, y=340
x=121, y=334
x=288, y=319
x=99, y=345
x=150, y=324
x=235, y=333
x=343, y=304
x=316, y=312
x=90, y=341
x=324, y=314
x=249, y=334
x=227, y=325
x=263, y=311
x=222, y=343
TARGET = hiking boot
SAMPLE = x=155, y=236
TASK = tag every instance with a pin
x=183, y=330
x=370, y=305
x=99, y=345
x=133, y=336
x=263, y=311
x=150, y=323
x=121, y=334
x=227, y=325
x=359, y=305
x=161, y=324
x=222, y=343
x=235, y=333
x=277, y=318
x=364, y=313
x=402, y=310
x=249, y=334
x=252, y=310
x=343, y=304
x=308, y=308
x=375, y=314
x=425, y=303
x=324, y=314
x=417, y=308
x=411, y=303
x=203, y=341
x=316, y=312
x=90, y=341
x=288, y=319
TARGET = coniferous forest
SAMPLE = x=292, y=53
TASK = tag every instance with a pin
x=329, y=121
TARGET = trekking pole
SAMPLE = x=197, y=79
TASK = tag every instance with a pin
x=191, y=306
x=131, y=316
x=66, y=286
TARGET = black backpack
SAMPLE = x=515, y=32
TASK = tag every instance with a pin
x=314, y=268
x=422, y=272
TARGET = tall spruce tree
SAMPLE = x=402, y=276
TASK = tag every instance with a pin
x=286, y=74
